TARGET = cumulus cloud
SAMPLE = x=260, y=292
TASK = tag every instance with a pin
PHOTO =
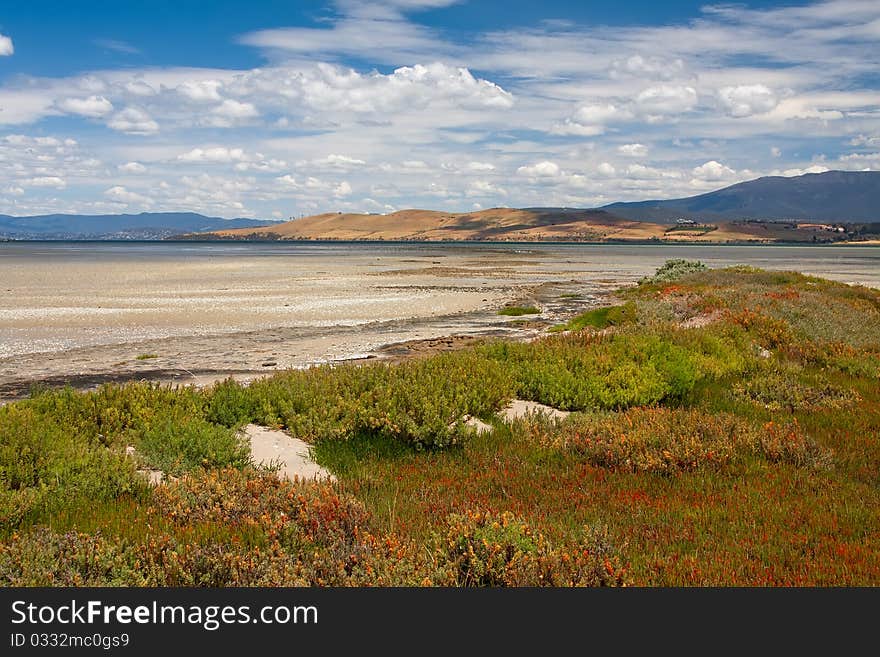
x=864, y=140
x=647, y=67
x=214, y=154
x=815, y=168
x=342, y=189
x=545, y=169
x=201, y=90
x=589, y=120
x=122, y=195
x=633, y=150
x=666, y=99
x=230, y=113
x=132, y=167
x=133, y=121
x=46, y=181
x=336, y=90
x=6, y=47
x=484, y=188
x=138, y=87
x=338, y=161
x=93, y=106
x=747, y=99
x=643, y=172
x=713, y=170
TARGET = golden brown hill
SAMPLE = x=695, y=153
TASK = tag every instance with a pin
x=507, y=224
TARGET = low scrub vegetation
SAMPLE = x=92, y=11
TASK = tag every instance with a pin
x=517, y=311
x=600, y=318
x=667, y=441
x=724, y=432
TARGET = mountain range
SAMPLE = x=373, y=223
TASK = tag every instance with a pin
x=146, y=225
x=773, y=208
x=832, y=196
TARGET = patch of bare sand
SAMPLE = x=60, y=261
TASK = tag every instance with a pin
x=519, y=409
x=271, y=447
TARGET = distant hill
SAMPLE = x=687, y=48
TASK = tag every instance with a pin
x=521, y=225
x=147, y=225
x=833, y=196
x=430, y=225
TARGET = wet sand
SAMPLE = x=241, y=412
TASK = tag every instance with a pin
x=81, y=314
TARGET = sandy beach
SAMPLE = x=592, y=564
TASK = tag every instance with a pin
x=87, y=313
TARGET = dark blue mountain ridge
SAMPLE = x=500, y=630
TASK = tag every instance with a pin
x=103, y=226
x=832, y=196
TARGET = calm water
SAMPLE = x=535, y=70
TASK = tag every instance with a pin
x=850, y=264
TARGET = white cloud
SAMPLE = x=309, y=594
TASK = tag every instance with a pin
x=747, y=99
x=606, y=169
x=230, y=113
x=545, y=169
x=864, y=140
x=133, y=121
x=46, y=181
x=132, y=167
x=643, y=172
x=666, y=99
x=201, y=90
x=589, y=120
x=122, y=195
x=6, y=47
x=480, y=166
x=713, y=170
x=342, y=189
x=14, y=190
x=338, y=161
x=484, y=188
x=220, y=154
x=234, y=109
x=815, y=168
x=139, y=88
x=648, y=67
x=775, y=151
x=633, y=150
x=93, y=106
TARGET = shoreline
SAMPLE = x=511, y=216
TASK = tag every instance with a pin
x=202, y=360
x=180, y=239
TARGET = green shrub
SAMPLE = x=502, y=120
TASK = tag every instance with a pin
x=180, y=444
x=45, y=466
x=601, y=318
x=419, y=402
x=229, y=404
x=674, y=269
x=516, y=311
x=576, y=372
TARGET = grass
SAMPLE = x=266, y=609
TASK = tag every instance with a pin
x=147, y=356
x=740, y=450
x=517, y=311
x=600, y=318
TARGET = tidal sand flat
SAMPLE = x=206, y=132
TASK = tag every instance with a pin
x=87, y=312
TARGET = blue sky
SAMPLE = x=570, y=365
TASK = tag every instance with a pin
x=277, y=108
